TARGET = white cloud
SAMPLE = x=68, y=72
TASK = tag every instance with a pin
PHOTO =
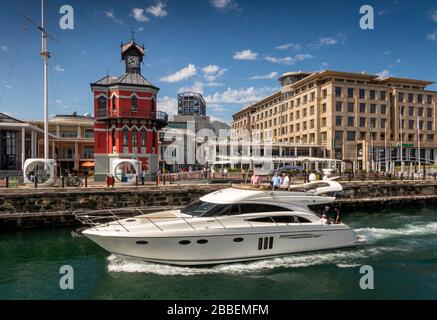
x=239, y=96
x=245, y=55
x=197, y=87
x=327, y=41
x=271, y=75
x=289, y=60
x=325, y=64
x=58, y=68
x=383, y=74
x=4, y=48
x=182, y=74
x=293, y=46
x=433, y=15
x=432, y=36
x=158, y=10
x=212, y=72
x=398, y=61
x=211, y=69
x=138, y=15
x=168, y=105
x=224, y=4
x=110, y=15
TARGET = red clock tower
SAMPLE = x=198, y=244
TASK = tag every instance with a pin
x=126, y=119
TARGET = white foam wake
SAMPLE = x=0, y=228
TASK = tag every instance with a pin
x=343, y=259
x=409, y=230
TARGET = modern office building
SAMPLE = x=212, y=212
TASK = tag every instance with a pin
x=355, y=117
x=191, y=104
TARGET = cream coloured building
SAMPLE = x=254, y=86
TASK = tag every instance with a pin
x=355, y=117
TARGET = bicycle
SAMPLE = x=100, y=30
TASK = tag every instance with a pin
x=73, y=182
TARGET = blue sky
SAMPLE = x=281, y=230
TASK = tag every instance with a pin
x=230, y=50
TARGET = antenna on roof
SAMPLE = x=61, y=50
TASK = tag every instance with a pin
x=133, y=34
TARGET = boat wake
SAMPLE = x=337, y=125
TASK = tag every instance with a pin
x=342, y=259
x=374, y=234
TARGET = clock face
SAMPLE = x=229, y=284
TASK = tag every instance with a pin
x=133, y=62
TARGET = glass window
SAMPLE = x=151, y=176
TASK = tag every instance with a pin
x=198, y=208
x=351, y=135
x=134, y=102
x=248, y=208
x=382, y=95
x=350, y=92
x=383, y=109
x=134, y=138
x=143, y=137
x=338, y=106
x=350, y=107
x=362, y=93
x=338, y=121
x=372, y=94
x=338, y=92
x=362, y=107
x=114, y=103
x=350, y=121
x=373, y=108
x=102, y=103
x=125, y=137
x=362, y=122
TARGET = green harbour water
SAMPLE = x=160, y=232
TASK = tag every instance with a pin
x=402, y=250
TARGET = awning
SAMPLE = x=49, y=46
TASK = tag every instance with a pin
x=88, y=164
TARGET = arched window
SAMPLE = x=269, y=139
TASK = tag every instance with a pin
x=114, y=141
x=125, y=138
x=134, y=138
x=134, y=102
x=114, y=103
x=102, y=103
x=143, y=138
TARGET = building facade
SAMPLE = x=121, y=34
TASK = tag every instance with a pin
x=356, y=117
x=126, y=117
x=18, y=142
x=191, y=104
x=71, y=141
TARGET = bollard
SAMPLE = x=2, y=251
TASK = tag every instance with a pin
x=7, y=182
x=36, y=182
x=63, y=182
x=86, y=181
x=136, y=181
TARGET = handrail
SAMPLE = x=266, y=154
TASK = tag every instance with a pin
x=93, y=220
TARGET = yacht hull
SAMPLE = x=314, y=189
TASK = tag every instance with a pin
x=210, y=249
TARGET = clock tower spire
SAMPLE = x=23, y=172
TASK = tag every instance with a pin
x=133, y=55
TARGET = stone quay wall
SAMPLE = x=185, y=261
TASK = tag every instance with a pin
x=47, y=207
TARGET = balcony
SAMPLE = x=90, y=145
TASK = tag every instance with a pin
x=104, y=114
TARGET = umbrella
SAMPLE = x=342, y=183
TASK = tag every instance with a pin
x=88, y=164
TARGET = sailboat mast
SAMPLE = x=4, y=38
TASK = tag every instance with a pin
x=45, y=55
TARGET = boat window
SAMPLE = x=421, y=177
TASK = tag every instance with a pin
x=280, y=219
x=261, y=208
x=234, y=210
x=218, y=210
x=302, y=220
x=198, y=208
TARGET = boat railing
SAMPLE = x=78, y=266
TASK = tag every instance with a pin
x=104, y=218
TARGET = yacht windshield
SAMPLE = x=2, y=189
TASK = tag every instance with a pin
x=198, y=208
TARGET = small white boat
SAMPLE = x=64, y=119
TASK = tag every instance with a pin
x=229, y=225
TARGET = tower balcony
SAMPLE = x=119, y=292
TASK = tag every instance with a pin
x=104, y=114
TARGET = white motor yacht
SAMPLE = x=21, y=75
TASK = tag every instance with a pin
x=230, y=225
